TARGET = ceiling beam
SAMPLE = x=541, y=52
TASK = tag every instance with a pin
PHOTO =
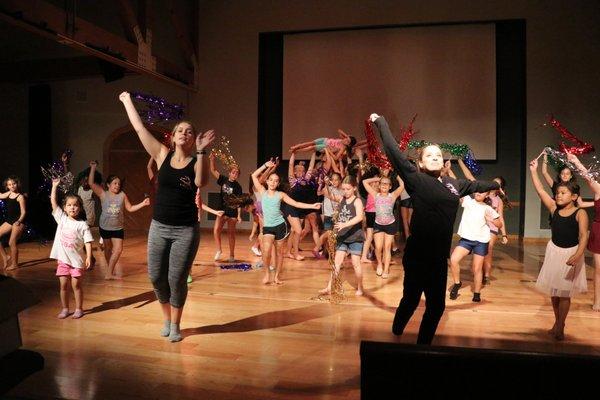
x=47, y=20
x=45, y=70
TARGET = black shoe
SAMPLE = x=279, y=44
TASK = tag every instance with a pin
x=476, y=297
x=485, y=280
x=454, y=290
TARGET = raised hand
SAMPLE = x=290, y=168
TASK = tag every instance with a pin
x=270, y=163
x=146, y=202
x=533, y=165
x=55, y=182
x=125, y=96
x=93, y=164
x=205, y=139
x=373, y=117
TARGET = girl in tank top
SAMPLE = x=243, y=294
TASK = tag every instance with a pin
x=594, y=242
x=15, y=206
x=275, y=229
x=113, y=200
x=385, y=226
x=563, y=272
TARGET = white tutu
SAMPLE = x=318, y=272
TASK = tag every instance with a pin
x=558, y=279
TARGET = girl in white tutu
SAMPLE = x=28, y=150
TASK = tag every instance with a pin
x=563, y=272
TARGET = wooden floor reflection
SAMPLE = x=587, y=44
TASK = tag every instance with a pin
x=244, y=340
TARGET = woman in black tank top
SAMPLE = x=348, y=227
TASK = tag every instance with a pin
x=14, y=203
x=174, y=233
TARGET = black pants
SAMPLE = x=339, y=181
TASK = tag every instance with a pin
x=422, y=275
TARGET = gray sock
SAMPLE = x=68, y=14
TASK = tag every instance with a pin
x=175, y=334
x=166, y=329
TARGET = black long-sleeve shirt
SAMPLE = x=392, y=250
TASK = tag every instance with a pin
x=435, y=201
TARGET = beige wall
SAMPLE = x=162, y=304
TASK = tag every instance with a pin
x=562, y=60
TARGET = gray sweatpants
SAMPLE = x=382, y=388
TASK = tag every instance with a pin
x=171, y=252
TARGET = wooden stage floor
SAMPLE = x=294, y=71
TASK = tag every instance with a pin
x=244, y=340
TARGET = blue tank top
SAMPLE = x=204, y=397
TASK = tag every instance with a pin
x=271, y=209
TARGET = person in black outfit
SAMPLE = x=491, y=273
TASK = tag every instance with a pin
x=230, y=188
x=435, y=202
x=13, y=226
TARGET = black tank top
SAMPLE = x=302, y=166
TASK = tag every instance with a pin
x=13, y=209
x=175, y=194
x=565, y=230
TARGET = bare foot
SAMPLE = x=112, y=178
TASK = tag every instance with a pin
x=289, y=255
x=108, y=277
x=278, y=281
x=117, y=277
x=266, y=280
x=299, y=257
x=359, y=293
x=327, y=290
x=596, y=307
x=379, y=270
x=385, y=275
x=11, y=267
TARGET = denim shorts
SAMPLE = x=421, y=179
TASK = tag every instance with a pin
x=354, y=248
x=475, y=247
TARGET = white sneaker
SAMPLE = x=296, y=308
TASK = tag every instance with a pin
x=256, y=251
x=218, y=255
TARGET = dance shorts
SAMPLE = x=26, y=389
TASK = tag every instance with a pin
x=63, y=269
x=280, y=231
x=389, y=229
x=118, y=234
x=370, y=219
x=320, y=144
x=327, y=223
x=354, y=248
x=406, y=203
x=230, y=213
x=475, y=247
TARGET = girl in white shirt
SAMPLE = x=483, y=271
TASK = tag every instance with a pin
x=72, y=235
x=474, y=235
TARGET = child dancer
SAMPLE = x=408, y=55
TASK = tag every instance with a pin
x=302, y=189
x=435, y=202
x=72, y=235
x=498, y=200
x=563, y=272
x=370, y=222
x=385, y=226
x=594, y=242
x=320, y=144
x=564, y=175
x=350, y=236
x=275, y=230
x=332, y=195
x=229, y=187
x=111, y=219
x=475, y=236
x=16, y=210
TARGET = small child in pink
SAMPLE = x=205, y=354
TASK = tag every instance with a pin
x=332, y=144
x=72, y=235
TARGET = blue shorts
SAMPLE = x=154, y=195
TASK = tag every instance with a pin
x=327, y=223
x=320, y=144
x=354, y=248
x=475, y=247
